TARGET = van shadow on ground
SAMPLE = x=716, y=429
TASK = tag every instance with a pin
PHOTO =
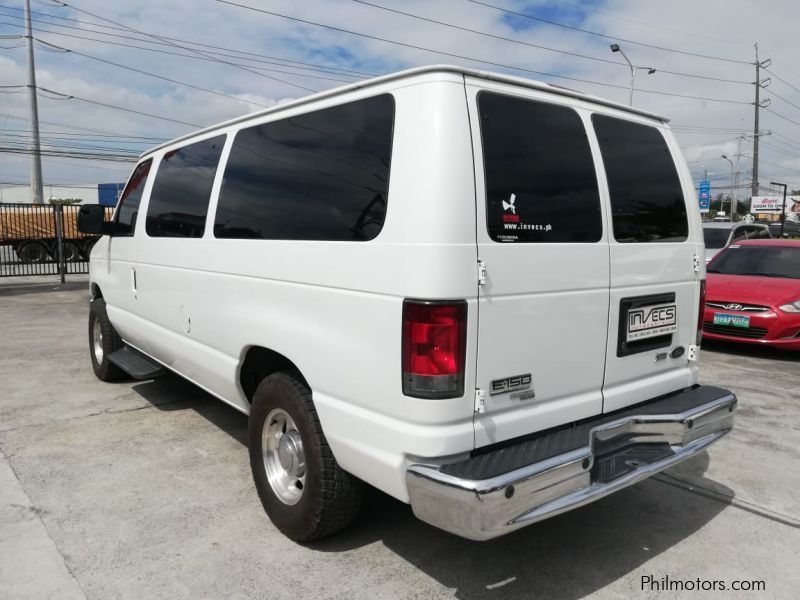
x=569, y=556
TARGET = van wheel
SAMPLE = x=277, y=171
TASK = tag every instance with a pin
x=306, y=494
x=103, y=340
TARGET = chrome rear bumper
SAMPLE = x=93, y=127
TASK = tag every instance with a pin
x=616, y=451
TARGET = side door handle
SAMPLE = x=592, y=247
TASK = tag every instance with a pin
x=133, y=280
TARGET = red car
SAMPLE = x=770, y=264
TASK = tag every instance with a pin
x=753, y=294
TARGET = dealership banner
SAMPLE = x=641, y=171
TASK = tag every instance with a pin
x=773, y=204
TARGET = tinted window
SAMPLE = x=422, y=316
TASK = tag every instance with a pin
x=647, y=203
x=131, y=199
x=762, y=233
x=318, y=176
x=182, y=189
x=769, y=261
x=715, y=238
x=741, y=233
x=541, y=184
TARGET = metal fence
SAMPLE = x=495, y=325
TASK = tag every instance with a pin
x=40, y=239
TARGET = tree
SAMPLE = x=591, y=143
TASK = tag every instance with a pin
x=64, y=201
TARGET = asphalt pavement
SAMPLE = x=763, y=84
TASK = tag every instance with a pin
x=143, y=490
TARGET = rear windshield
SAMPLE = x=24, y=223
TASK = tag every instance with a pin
x=715, y=238
x=647, y=203
x=541, y=184
x=768, y=261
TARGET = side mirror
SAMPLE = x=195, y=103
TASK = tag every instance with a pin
x=91, y=219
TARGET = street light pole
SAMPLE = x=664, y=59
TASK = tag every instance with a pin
x=725, y=156
x=650, y=70
x=783, y=211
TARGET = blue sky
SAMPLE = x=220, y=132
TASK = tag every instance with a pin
x=264, y=45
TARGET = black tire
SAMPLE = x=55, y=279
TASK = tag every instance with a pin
x=72, y=252
x=330, y=496
x=32, y=253
x=104, y=369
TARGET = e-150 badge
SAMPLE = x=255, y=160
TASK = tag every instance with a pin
x=515, y=383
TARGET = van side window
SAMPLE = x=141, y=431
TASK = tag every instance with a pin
x=182, y=189
x=130, y=199
x=647, y=203
x=541, y=184
x=318, y=176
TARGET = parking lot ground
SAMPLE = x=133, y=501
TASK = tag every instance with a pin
x=143, y=490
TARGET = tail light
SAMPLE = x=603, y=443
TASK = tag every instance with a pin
x=434, y=346
x=701, y=312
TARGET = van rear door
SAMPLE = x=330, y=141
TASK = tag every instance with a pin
x=541, y=234
x=655, y=262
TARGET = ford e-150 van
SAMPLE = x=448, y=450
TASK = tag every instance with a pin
x=477, y=293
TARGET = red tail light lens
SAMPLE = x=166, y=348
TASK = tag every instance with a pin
x=701, y=312
x=434, y=346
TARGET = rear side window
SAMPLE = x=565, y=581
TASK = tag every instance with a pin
x=541, y=184
x=182, y=189
x=131, y=199
x=318, y=176
x=647, y=203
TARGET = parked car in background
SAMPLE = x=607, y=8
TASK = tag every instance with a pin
x=753, y=294
x=790, y=228
x=719, y=235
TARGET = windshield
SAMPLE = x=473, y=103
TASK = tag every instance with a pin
x=767, y=261
x=715, y=238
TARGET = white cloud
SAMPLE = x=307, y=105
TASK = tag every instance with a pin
x=714, y=28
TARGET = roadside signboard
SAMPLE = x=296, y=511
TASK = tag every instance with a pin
x=705, y=196
x=108, y=193
x=773, y=204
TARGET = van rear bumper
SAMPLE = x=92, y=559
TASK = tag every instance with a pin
x=493, y=493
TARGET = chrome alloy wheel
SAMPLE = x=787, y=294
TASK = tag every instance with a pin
x=97, y=337
x=284, y=460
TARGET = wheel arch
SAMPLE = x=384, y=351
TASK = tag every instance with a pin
x=95, y=291
x=258, y=362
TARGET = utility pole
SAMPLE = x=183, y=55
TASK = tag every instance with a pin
x=734, y=200
x=36, y=151
x=758, y=104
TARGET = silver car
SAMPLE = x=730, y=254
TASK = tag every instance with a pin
x=720, y=234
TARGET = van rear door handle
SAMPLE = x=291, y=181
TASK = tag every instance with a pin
x=133, y=279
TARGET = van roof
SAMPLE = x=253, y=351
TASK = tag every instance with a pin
x=415, y=72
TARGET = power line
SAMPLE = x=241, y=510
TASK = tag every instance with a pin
x=171, y=43
x=321, y=68
x=769, y=110
x=162, y=51
x=162, y=77
x=781, y=79
x=130, y=110
x=516, y=41
x=132, y=139
x=772, y=93
x=491, y=35
x=609, y=37
x=75, y=127
x=70, y=154
x=477, y=60
x=785, y=140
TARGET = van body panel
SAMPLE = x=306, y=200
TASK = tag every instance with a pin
x=334, y=308
x=543, y=312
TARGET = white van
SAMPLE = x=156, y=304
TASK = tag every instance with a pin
x=477, y=293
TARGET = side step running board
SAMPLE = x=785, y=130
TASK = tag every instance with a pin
x=136, y=364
